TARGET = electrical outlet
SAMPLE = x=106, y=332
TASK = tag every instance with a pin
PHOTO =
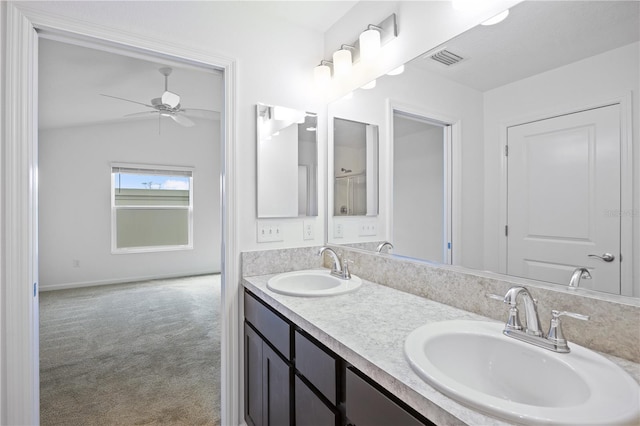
x=268, y=233
x=338, y=231
x=367, y=229
x=307, y=230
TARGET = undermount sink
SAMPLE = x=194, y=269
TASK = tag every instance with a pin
x=475, y=364
x=312, y=282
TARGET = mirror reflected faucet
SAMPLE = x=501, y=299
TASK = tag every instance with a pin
x=384, y=245
x=579, y=273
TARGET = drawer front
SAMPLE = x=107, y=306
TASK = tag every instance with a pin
x=310, y=410
x=271, y=326
x=317, y=366
x=367, y=406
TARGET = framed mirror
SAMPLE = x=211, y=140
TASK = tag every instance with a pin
x=485, y=87
x=287, y=162
x=355, y=168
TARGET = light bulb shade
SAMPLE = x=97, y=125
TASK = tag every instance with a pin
x=342, y=62
x=396, y=71
x=170, y=99
x=369, y=85
x=369, y=44
x=322, y=75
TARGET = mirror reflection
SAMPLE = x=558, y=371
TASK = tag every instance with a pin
x=355, y=147
x=287, y=162
x=541, y=112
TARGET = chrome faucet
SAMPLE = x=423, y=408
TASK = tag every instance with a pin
x=339, y=268
x=578, y=273
x=530, y=311
x=382, y=246
x=532, y=333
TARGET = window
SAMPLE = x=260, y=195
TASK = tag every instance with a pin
x=151, y=208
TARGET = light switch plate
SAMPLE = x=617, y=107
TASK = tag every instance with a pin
x=268, y=233
x=367, y=229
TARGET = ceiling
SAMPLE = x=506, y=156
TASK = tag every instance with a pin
x=72, y=76
x=537, y=36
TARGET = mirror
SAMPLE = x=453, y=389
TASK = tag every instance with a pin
x=355, y=168
x=547, y=60
x=287, y=162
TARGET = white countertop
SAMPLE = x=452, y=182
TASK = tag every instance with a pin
x=367, y=328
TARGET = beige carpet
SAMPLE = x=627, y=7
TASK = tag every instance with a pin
x=131, y=354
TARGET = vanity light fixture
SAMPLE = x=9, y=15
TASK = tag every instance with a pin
x=369, y=85
x=370, y=43
x=343, y=60
x=397, y=71
x=496, y=19
x=322, y=73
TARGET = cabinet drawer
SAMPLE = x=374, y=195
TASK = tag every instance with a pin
x=317, y=366
x=310, y=410
x=367, y=406
x=270, y=325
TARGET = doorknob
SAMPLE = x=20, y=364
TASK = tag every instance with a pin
x=607, y=257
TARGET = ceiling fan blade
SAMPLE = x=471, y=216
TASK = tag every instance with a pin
x=201, y=113
x=141, y=113
x=127, y=100
x=182, y=120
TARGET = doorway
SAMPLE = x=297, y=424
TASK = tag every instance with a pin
x=20, y=198
x=97, y=108
x=421, y=206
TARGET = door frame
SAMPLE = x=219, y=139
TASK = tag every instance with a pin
x=452, y=176
x=626, y=178
x=19, y=355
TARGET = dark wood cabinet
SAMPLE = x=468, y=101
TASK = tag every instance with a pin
x=366, y=405
x=292, y=379
x=268, y=368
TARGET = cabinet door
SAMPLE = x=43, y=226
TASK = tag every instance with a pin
x=367, y=406
x=310, y=410
x=276, y=383
x=252, y=377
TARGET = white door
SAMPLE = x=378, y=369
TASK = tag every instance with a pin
x=563, y=178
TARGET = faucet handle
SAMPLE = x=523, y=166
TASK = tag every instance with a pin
x=513, y=322
x=555, y=334
x=345, y=268
x=557, y=314
x=495, y=297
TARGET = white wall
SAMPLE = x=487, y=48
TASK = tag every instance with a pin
x=586, y=83
x=75, y=194
x=436, y=98
x=267, y=72
x=418, y=182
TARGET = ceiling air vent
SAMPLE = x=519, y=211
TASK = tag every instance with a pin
x=446, y=57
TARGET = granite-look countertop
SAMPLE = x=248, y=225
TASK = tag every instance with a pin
x=368, y=327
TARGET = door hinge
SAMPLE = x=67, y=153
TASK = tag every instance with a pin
x=506, y=150
x=506, y=230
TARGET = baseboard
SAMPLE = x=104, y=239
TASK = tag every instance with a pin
x=81, y=284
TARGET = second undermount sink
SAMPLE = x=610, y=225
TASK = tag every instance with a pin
x=312, y=282
x=474, y=363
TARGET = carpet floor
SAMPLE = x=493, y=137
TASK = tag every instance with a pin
x=142, y=353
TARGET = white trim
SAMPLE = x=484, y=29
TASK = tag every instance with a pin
x=626, y=177
x=452, y=180
x=82, y=284
x=20, y=195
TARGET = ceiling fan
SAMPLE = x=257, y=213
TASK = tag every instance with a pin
x=168, y=104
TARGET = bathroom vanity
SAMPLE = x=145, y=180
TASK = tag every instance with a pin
x=292, y=378
x=337, y=358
